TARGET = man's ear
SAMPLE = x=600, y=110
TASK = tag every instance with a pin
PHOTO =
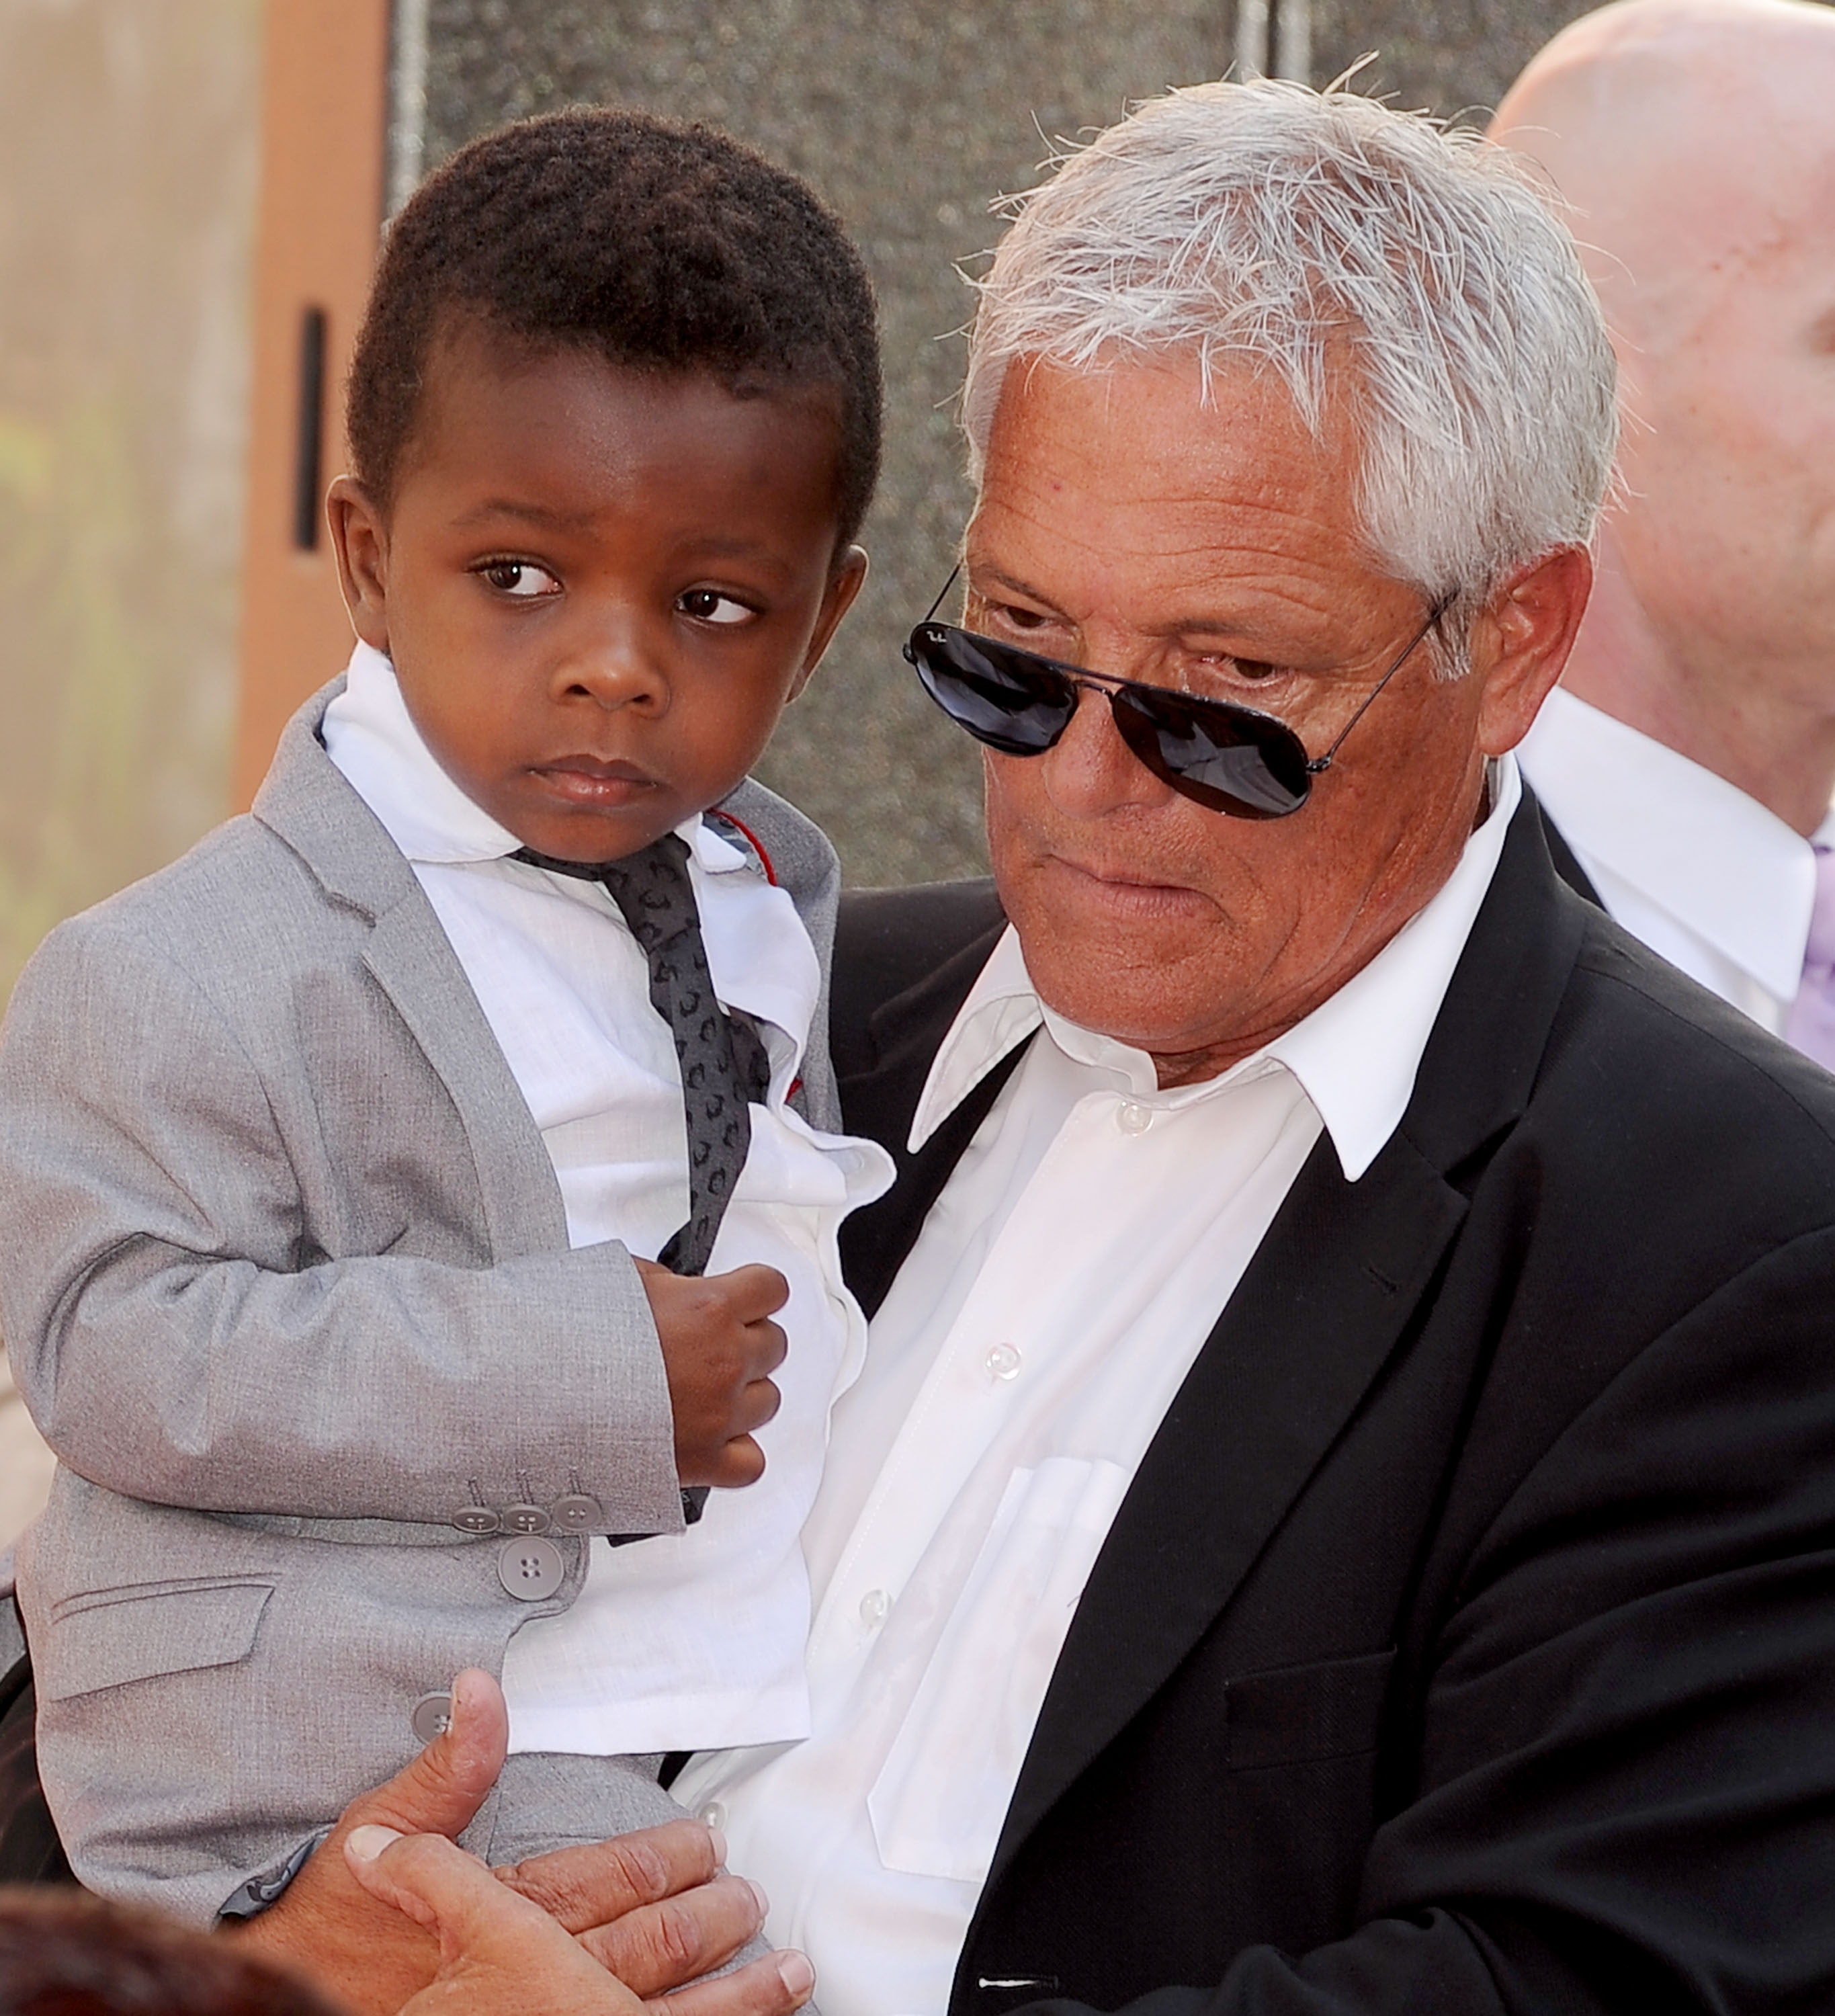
x=1521, y=641
x=360, y=539
x=844, y=584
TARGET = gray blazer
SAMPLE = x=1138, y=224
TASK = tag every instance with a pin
x=285, y=1280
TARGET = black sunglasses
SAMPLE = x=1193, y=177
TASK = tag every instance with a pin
x=1226, y=757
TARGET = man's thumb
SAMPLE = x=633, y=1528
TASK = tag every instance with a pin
x=440, y=1791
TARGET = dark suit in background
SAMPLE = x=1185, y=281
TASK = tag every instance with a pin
x=1466, y=1641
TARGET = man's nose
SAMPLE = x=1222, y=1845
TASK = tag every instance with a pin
x=615, y=663
x=1090, y=770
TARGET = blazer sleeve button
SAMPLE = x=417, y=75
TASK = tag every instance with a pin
x=525, y=1519
x=432, y=1717
x=475, y=1519
x=577, y=1513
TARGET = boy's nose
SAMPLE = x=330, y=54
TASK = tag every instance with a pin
x=614, y=667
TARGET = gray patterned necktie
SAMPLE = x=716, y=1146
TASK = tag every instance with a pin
x=723, y=1062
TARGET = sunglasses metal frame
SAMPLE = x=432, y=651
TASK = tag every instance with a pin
x=1252, y=728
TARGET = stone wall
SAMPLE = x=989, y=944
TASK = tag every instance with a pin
x=909, y=116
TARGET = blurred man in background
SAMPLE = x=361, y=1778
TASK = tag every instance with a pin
x=1688, y=757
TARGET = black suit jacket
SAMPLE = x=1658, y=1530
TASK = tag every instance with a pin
x=1466, y=1642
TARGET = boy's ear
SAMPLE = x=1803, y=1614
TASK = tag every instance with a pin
x=360, y=537
x=844, y=584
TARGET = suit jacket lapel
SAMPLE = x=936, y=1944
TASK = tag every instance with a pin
x=882, y=1072
x=307, y=803
x=1566, y=863
x=1333, y=1286
x=414, y=965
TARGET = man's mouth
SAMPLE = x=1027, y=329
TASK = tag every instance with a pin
x=1121, y=887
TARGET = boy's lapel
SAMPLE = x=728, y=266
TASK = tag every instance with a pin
x=796, y=854
x=414, y=964
x=307, y=802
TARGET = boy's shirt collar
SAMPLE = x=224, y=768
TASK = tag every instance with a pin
x=370, y=736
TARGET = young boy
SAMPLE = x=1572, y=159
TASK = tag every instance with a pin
x=335, y=1159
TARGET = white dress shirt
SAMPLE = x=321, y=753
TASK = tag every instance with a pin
x=695, y=1639
x=1061, y=1286
x=1702, y=873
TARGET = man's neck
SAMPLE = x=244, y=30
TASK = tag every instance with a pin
x=1773, y=747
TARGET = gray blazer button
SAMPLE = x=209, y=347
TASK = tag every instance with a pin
x=531, y=1569
x=525, y=1519
x=475, y=1519
x=432, y=1715
x=577, y=1513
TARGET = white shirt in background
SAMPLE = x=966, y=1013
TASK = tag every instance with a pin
x=1708, y=877
x=1063, y=1284
x=695, y=1639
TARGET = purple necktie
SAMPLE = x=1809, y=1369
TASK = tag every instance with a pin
x=1811, y=1025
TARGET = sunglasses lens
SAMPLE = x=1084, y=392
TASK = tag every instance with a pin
x=999, y=697
x=1228, y=758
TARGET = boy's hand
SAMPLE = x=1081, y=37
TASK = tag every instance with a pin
x=719, y=1348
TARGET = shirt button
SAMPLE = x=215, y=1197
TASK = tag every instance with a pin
x=873, y=1606
x=432, y=1715
x=714, y=1815
x=1003, y=1362
x=531, y=1569
x=1132, y=1117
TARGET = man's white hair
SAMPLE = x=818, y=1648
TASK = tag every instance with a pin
x=1299, y=230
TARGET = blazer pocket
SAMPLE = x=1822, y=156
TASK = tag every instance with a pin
x=1302, y=1715
x=105, y=1638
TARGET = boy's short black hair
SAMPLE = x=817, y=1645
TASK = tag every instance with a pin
x=660, y=245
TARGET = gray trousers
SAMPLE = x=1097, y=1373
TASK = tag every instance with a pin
x=545, y=1799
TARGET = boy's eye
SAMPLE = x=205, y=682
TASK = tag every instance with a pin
x=708, y=605
x=520, y=578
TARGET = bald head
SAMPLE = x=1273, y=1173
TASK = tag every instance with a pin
x=1694, y=139
x=1694, y=142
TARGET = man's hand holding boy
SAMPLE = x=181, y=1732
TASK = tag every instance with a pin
x=650, y=1912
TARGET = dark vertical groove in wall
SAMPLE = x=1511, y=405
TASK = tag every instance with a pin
x=309, y=446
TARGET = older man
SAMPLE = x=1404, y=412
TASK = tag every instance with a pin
x=1337, y=1514
x=1688, y=756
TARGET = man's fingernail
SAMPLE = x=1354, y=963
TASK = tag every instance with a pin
x=758, y=1896
x=719, y=1841
x=366, y=1843
x=797, y=1975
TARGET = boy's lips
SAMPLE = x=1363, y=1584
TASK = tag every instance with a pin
x=595, y=780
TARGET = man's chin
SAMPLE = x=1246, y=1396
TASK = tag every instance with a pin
x=1123, y=992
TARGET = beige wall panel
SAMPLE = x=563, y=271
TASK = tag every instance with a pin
x=324, y=112
x=128, y=137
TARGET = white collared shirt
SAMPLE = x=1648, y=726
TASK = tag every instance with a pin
x=698, y=1638
x=1708, y=877
x=1061, y=1286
